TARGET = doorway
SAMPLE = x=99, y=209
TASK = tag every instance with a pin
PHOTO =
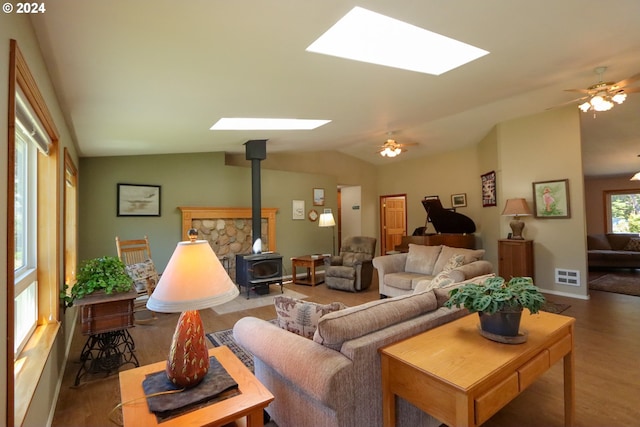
x=393, y=221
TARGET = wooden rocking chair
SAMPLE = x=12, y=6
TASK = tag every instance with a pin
x=136, y=255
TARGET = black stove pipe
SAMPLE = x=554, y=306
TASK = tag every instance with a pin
x=256, y=151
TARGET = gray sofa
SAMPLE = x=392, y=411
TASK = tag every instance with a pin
x=613, y=250
x=400, y=274
x=334, y=380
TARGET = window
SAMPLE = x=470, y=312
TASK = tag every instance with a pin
x=25, y=229
x=623, y=211
x=32, y=304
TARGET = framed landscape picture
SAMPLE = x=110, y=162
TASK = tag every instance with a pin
x=138, y=200
x=459, y=200
x=318, y=197
x=551, y=199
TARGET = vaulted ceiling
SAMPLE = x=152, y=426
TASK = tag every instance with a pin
x=152, y=76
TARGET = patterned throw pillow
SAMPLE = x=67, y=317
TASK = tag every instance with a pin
x=440, y=280
x=633, y=245
x=301, y=317
x=141, y=272
x=454, y=262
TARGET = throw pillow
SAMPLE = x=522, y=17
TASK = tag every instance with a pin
x=633, y=245
x=422, y=259
x=441, y=279
x=470, y=255
x=301, y=317
x=142, y=271
x=454, y=262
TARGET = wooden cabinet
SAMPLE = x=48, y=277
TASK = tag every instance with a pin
x=515, y=258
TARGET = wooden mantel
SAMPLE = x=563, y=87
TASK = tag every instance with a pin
x=189, y=213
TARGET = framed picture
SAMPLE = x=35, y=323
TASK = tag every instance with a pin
x=551, y=199
x=298, y=209
x=488, y=189
x=459, y=200
x=318, y=197
x=138, y=200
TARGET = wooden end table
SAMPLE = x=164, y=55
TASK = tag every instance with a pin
x=462, y=379
x=250, y=403
x=310, y=263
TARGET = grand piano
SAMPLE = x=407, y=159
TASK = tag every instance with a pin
x=453, y=229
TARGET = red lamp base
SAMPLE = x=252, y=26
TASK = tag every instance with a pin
x=188, y=361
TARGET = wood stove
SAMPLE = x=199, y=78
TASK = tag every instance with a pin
x=258, y=270
x=255, y=272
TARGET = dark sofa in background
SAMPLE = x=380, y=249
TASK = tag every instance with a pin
x=613, y=250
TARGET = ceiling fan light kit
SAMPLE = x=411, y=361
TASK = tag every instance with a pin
x=391, y=149
x=604, y=95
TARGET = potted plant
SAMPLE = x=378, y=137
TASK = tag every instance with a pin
x=107, y=274
x=498, y=303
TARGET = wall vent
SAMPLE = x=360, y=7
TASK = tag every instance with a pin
x=567, y=277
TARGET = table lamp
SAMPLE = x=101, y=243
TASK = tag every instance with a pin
x=516, y=208
x=194, y=279
x=327, y=220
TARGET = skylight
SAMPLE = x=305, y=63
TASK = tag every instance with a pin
x=243, y=123
x=370, y=37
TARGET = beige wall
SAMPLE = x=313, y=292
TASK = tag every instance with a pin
x=594, y=199
x=442, y=175
x=545, y=147
x=18, y=27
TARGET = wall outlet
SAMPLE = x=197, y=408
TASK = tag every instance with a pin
x=567, y=277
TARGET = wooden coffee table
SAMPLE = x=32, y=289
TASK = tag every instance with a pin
x=462, y=379
x=250, y=403
x=310, y=263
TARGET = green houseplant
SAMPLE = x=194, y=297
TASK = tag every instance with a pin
x=499, y=303
x=106, y=274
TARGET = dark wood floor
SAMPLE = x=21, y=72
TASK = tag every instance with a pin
x=607, y=345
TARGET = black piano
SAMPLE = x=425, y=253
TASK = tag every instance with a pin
x=453, y=229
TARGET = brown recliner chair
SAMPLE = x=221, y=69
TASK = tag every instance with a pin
x=352, y=270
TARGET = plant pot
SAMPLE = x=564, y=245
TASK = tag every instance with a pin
x=505, y=323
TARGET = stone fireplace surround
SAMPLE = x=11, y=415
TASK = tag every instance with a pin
x=228, y=231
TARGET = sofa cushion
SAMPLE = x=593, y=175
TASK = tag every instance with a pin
x=619, y=240
x=142, y=271
x=598, y=242
x=301, y=317
x=406, y=281
x=633, y=245
x=470, y=255
x=339, y=326
x=422, y=259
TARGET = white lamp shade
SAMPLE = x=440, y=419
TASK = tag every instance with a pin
x=326, y=220
x=194, y=279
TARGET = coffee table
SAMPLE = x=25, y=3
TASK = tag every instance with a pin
x=250, y=403
x=310, y=262
x=462, y=379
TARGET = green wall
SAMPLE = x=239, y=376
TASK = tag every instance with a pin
x=200, y=179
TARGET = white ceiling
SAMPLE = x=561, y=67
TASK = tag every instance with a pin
x=152, y=76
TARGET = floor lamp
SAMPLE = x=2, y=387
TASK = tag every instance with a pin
x=327, y=220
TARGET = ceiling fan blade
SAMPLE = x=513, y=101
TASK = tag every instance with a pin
x=578, y=90
x=408, y=144
x=631, y=89
x=568, y=102
x=622, y=83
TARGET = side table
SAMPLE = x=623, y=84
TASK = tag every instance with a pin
x=310, y=262
x=454, y=374
x=250, y=403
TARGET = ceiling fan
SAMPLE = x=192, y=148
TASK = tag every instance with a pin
x=391, y=148
x=602, y=95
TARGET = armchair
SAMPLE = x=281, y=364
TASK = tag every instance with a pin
x=352, y=270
